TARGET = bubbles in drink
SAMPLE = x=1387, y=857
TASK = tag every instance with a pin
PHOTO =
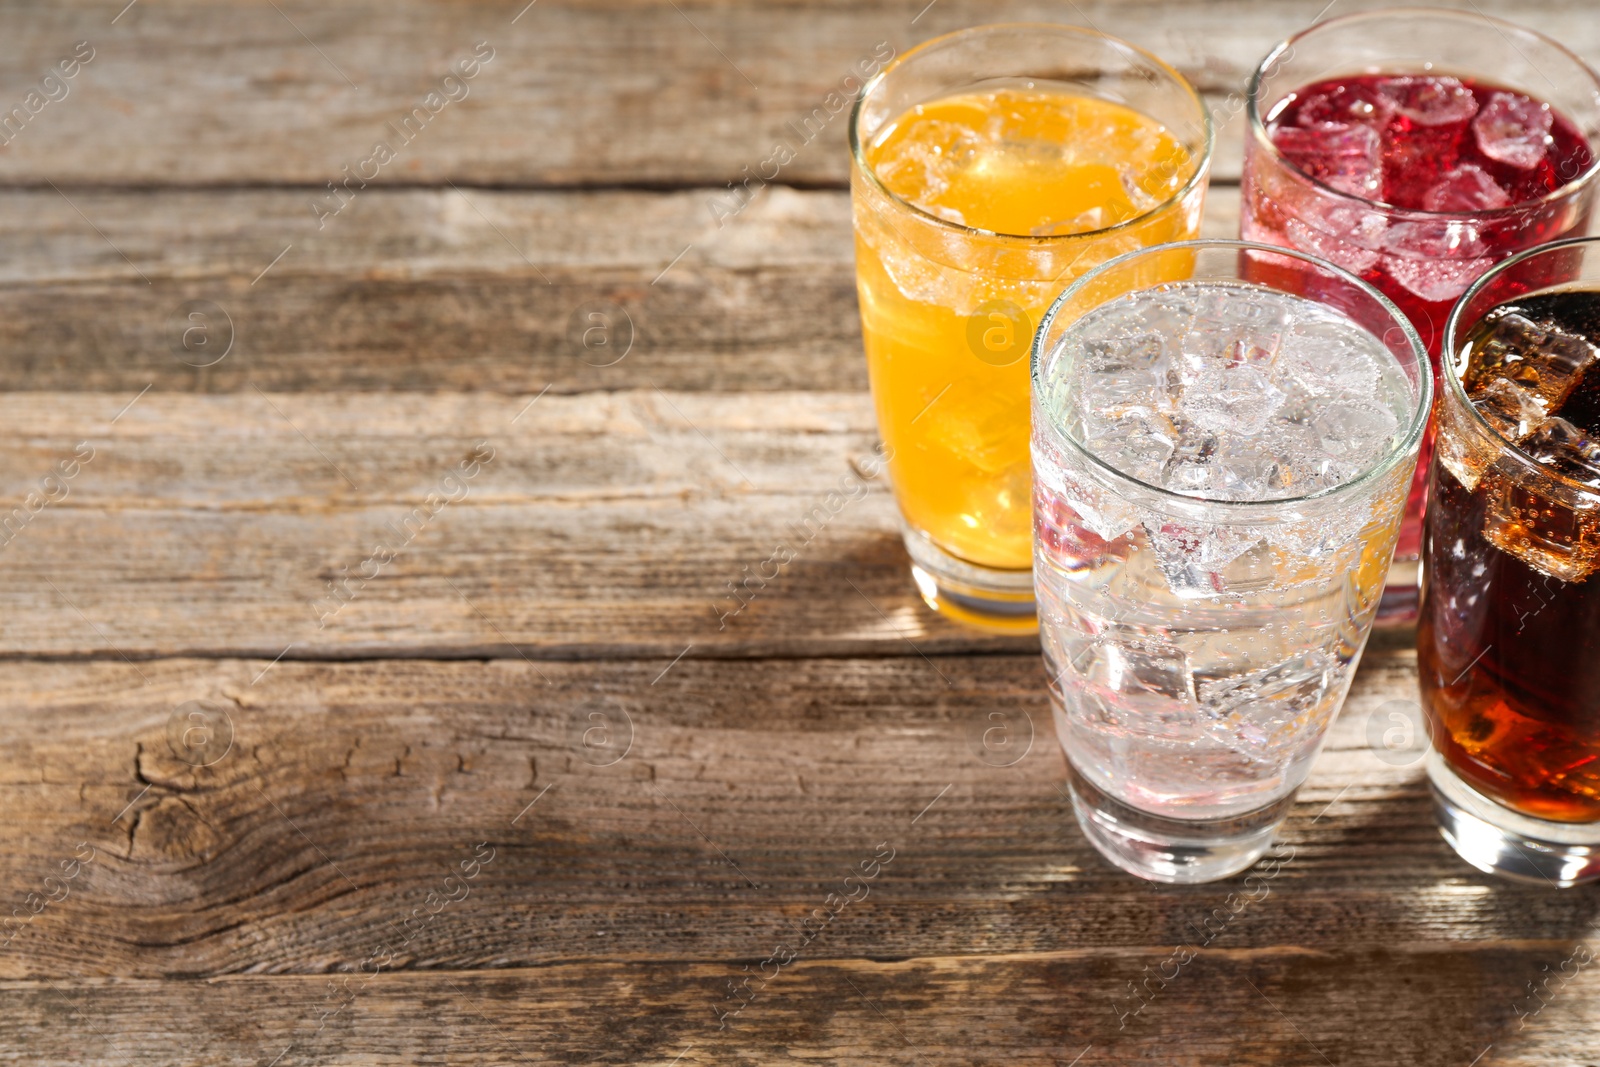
x=1521, y=370
x=947, y=315
x=1233, y=392
x=1196, y=654
x=1506, y=641
x=1029, y=161
x=1427, y=143
x=1568, y=450
x=1349, y=158
x=1532, y=367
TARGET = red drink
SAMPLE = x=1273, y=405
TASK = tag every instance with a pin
x=1431, y=144
x=1415, y=173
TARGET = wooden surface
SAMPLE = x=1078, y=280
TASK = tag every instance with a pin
x=540, y=676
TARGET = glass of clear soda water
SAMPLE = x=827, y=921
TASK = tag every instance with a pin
x=1220, y=465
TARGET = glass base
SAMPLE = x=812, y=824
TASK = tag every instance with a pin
x=1499, y=841
x=1181, y=851
x=1000, y=601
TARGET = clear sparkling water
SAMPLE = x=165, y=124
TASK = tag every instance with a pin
x=1198, y=649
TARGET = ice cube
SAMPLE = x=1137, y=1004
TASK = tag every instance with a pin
x=1188, y=468
x=1258, y=352
x=1353, y=435
x=1318, y=539
x=1328, y=357
x=1343, y=234
x=1192, y=558
x=1172, y=317
x=1134, y=178
x=1127, y=374
x=1513, y=129
x=981, y=430
x=1566, y=449
x=1349, y=158
x=1466, y=188
x=1084, y=222
x=1252, y=468
x=1242, y=402
x=1268, y=710
x=1260, y=322
x=920, y=168
x=1066, y=541
x=1531, y=355
x=1292, y=423
x=1436, y=259
x=1135, y=352
x=1547, y=534
x=1001, y=504
x=1136, y=441
x=1138, y=665
x=1231, y=337
x=1059, y=472
x=1512, y=408
x=1352, y=104
x=1465, y=462
x=1430, y=101
x=1463, y=449
x=915, y=276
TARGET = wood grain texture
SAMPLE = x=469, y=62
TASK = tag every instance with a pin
x=619, y=93
x=414, y=290
x=1282, y=1008
x=723, y=803
x=606, y=524
x=690, y=811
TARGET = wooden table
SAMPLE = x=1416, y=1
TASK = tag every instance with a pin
x=479, y=773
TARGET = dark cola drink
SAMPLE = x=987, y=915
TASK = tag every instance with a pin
x=1509, y=634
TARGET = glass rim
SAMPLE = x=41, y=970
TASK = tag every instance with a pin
x=1202, y=165
x=1422, y=404
x=1258, y=129
x=1448, y=357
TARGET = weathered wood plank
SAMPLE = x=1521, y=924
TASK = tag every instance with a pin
x=416, y=290
x=604, y=524
x=1287, y=1008
x=576, y=94
x=693, y=811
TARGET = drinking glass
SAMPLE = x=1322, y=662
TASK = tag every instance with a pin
x=1199, y=640
x=1508, y=643
x=949, y=297
x=1421, y=259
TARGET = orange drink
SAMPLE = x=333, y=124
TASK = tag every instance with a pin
x=991, y=169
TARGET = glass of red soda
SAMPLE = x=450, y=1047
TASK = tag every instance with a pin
x=1416, y=148
x=1508, y=642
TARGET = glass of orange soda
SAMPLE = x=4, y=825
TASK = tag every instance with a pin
x=990, y=168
